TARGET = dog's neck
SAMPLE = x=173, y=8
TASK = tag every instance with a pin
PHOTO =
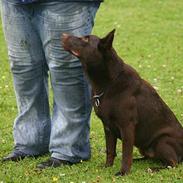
x=102, y=78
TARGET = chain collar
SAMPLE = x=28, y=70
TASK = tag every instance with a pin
x=96, y=99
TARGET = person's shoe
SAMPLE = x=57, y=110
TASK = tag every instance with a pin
x=15, y=156
x=53, y=162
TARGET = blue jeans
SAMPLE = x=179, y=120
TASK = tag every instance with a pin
x=32, y=33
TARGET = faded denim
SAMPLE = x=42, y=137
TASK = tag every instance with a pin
x=32, y=33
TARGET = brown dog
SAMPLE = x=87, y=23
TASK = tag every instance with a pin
x=128, y=106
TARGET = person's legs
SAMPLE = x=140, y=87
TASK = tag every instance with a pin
x=29, y=70
x=71, y=113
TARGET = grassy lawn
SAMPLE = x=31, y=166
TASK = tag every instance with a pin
x=149, y=36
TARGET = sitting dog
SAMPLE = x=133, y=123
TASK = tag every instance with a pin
x=129, y=107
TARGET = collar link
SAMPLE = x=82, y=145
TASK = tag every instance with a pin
x=96, y=99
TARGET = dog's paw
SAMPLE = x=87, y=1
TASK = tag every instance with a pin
x=120, y=174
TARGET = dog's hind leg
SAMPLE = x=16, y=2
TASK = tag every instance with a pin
x=166, y=152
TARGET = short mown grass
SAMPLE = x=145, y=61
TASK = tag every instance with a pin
x=149, y=36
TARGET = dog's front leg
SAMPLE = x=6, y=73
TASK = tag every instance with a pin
x=128, y=133
x=110, y=147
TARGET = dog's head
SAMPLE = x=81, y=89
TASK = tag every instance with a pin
x=90, y=49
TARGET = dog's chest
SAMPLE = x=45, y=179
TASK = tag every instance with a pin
x=100, y=108
x=100, y=113
x=105, y=113
x=108, y=120
x=104, y=107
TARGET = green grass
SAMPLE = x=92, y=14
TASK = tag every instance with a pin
x=149, y=36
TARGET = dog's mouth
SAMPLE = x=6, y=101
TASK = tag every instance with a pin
x=65, y=41
x=75, y=53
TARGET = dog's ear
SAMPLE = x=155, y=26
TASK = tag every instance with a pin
x=106, y=42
